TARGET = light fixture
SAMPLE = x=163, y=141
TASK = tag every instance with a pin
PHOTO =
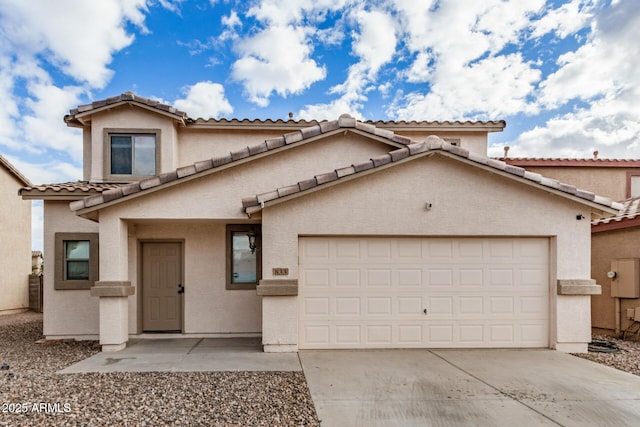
x=252, y=241
x=579, y=217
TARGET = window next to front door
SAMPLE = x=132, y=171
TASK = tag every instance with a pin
x=76, y=260
x=131, y=154
x=243, y=256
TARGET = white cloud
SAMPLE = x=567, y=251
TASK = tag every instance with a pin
x=565, y=20
x=459, y=52
x=80, y=41
x=603, y=74
x=331, y=110
x=277, y=59
x=375, y=45
x=490, y=88
x=205, y=99
x=47, y=171
x=43, y=127
x=37, y=225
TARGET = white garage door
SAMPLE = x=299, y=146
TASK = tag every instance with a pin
x=372, y=292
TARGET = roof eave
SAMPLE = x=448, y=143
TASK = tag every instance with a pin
x=597, y=208
x=82, y=118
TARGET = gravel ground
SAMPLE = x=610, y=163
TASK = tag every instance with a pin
x=627, y=359
x=161, y=398
x=135, y=399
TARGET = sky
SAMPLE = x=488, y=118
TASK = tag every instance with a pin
x=563, y=74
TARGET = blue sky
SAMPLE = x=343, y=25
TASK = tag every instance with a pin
x=562, y=73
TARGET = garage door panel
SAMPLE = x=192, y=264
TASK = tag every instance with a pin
x=361, y=292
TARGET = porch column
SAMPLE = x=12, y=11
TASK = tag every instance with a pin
x=114, y=287
x=279, y=315
x=114, y=313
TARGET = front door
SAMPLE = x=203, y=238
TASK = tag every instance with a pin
x=161, y=277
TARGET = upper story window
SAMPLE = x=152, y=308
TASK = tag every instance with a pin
x=633, y=184
x=131, y=153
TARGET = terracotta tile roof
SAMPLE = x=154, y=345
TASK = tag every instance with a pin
x=433, y=144
x=630, y=210
x=571, y=162
x=13, y=171
x=73, y=118
x=407, y=148
x=490, y=126
x=208, y=166
x=80, y=188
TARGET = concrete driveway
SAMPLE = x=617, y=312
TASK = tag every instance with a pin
x=519, y=388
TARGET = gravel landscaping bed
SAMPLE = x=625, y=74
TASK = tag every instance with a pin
x=31, y=385
x=626, y=359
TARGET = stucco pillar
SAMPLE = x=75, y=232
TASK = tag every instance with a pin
x=114, y=313
x=113, y=288
x=574, y=314
x=280, y=324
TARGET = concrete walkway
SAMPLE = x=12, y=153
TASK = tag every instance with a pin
x=468, y=388
x=188, y=354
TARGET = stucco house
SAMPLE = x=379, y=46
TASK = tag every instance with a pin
x=617, y=179
x=336, y=234
x=616, y=249
x=15, y=235
x=613, y=239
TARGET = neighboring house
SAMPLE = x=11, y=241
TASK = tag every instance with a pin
x=615, y=246
x=617, y=179
x=334, y=234
x=15, y=235
x=612, y=239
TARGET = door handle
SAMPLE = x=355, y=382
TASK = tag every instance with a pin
x=424, y=311
x=180, y=289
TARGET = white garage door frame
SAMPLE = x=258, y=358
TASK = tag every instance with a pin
x=372, y=292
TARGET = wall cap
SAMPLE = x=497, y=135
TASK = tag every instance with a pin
x=578, y=287
x=112, y=289
x=277, y=287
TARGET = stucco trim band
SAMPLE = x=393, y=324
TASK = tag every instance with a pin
x=278, y=287
x=579, y=287
x=112, y=289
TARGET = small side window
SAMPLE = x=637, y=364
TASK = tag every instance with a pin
x=633, y=184
x=76, y=260
x=244, y=264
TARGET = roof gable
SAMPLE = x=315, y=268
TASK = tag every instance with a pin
x=268, y=147
x=79, y=116
x=433, y=145
x=14, y=172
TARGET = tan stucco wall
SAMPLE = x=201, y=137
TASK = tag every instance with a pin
x=466, y=202
x=605, y=247
x=607, y=182
x=66, y=312
x=182, y=145
x=211, y=202
x=220, y=195
x=199, y=144
x=131, y=118
x=15, y=247
x=208, y=307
